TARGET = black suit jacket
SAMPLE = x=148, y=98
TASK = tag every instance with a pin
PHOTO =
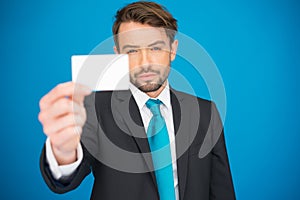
x=117, y=151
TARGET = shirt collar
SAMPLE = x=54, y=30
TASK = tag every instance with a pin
x=141, y=98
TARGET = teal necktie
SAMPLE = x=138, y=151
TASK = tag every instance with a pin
x=158, y=139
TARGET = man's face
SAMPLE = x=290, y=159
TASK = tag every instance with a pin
x=150, y=54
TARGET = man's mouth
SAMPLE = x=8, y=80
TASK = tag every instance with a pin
x=147, y=76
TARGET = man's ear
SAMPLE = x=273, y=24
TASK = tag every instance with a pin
x=174, y=49
x=116, y=50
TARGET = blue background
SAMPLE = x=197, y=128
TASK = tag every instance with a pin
x=255, y=44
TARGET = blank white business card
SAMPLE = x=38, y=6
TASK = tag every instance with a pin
x=101, y=72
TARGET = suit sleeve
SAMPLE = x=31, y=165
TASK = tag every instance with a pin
x=65, y=184
x=221, y=187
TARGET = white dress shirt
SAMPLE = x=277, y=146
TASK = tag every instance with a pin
x=141, y=98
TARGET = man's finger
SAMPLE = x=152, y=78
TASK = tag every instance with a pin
x=63, y=122
x=69, y=134
x=68, y=89
x=60, y=108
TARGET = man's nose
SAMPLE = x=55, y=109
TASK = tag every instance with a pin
x=144, y=57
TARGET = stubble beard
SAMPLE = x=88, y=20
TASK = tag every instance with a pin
x=150, y=86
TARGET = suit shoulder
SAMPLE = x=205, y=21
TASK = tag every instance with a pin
x=201, y=101
x=105, y=96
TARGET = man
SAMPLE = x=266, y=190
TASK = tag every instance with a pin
x=116, y=134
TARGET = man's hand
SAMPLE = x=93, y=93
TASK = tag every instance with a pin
x=62, y=115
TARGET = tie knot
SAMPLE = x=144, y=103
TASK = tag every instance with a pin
x=153, y=105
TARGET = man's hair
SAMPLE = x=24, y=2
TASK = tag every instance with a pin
x=145, y=12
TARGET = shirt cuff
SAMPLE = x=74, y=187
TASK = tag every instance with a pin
x=59, y=171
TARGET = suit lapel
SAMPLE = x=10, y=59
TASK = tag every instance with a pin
x=186, y=121
x=182, y=159
x=126, y=106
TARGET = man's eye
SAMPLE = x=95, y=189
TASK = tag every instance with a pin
x=131, y=51
x=155, y=49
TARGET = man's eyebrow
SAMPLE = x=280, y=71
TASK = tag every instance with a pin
x=150, y=45
x=157, y=42
x=130, y=46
